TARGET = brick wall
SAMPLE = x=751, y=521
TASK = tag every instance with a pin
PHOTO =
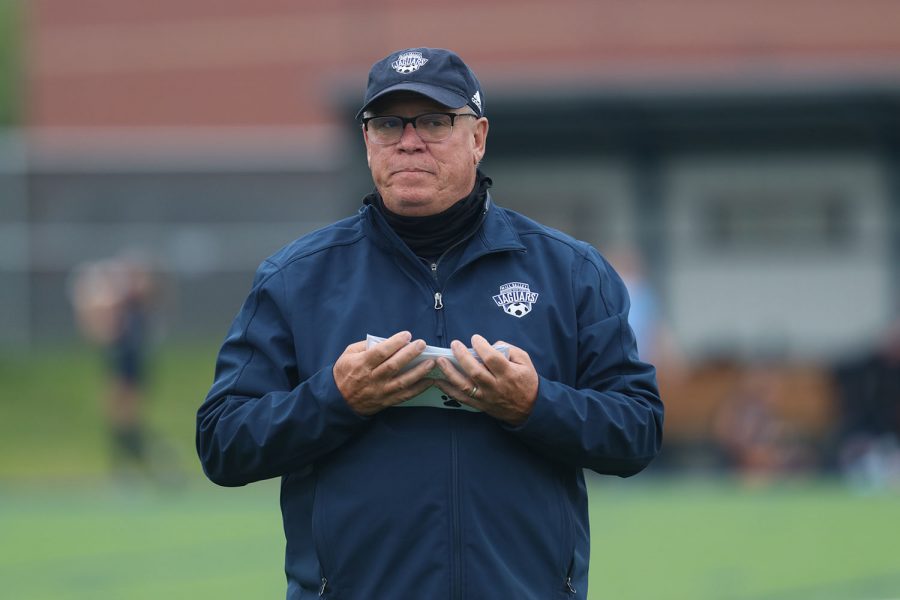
x=122, y=63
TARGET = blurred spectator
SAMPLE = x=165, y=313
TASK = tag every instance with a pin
x=113, y=300
x=868, y=435
x=755, y=439
x=655, y=341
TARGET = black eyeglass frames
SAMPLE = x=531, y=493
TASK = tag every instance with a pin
x=431, y=127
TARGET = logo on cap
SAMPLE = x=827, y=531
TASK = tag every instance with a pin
x=409, y=62
x=477, y=100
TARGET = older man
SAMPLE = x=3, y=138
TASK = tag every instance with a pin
x=414, y=472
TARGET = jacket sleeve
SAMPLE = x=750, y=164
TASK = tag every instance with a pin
x=611, y=421
x=258, y=421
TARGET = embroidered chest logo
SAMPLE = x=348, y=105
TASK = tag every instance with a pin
x=409, y=62
x=516, y=298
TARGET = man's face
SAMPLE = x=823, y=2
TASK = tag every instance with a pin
x=417, y=178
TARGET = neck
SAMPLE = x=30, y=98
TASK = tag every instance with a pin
x=430, y=236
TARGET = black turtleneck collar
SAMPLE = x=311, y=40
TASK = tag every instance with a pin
x=431, y=235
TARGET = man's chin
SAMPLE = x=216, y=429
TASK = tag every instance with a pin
x=412, y=204
x=415, y=208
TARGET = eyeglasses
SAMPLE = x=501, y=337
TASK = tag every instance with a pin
x=431, y=127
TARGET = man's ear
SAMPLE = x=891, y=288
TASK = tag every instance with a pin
x=480, y=138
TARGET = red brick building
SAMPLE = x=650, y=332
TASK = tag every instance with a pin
x=195, y=63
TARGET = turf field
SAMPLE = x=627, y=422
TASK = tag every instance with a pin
x=68, y=532
x=652, y=540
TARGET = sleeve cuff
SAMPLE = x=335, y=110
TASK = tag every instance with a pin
x=539, y=413
x=330, y=397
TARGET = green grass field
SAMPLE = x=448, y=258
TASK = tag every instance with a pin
x=68, y=532
x=11, y=18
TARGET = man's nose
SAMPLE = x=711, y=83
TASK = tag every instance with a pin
x=410, y=138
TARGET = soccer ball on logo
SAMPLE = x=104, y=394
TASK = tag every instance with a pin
x=517, y=309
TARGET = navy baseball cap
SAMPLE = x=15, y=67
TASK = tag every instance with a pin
x=433, y=72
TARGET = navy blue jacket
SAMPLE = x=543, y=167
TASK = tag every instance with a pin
x=422, y=502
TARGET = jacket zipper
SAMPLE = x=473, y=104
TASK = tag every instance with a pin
x=570, y=589
x=438, y=294
x=323, y=587
x=456, y=580
x=438, y=304
x=456, y=549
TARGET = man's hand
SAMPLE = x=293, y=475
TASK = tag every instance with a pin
x=370, y=378
x=504, y=389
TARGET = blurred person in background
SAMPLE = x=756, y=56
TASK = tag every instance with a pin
x=655, y=340
x=407, y=479
x=113, y=300
x=644, y=314
x=868, y=433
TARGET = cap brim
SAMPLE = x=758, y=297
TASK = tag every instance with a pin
x=438, y=94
